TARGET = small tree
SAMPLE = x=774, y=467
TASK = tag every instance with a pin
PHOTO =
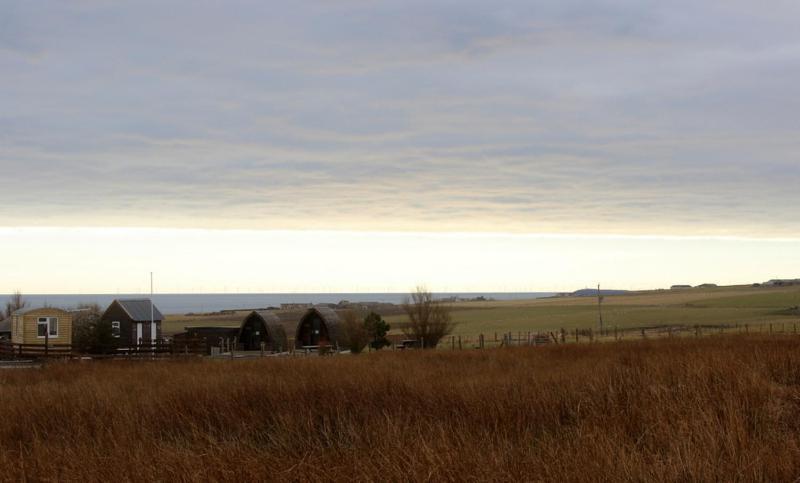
x=376, y=328
x=428, y=319
x=15, y=302
x=354, y=334
x=90, y=334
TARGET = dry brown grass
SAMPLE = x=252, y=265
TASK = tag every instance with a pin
x=711, y=409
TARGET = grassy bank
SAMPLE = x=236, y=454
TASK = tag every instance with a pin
x=707, y=307
x=717, y=408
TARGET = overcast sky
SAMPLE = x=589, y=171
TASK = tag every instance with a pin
x=610, y=117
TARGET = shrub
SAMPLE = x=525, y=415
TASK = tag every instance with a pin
x=428, y=319
x=376, y=328
x=354, y=334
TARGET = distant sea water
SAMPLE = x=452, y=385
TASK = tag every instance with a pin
x=199, y=303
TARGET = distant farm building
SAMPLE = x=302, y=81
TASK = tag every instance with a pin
x=37, y=326
x=782, y=282
x=130, y=321
x=318, y=326
x=296, y=306
x=262, y=327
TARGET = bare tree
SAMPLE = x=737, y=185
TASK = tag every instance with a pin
x=85, y=313
x=355, y=334
x=428, y=319
x=90, y=334
x=15, y=302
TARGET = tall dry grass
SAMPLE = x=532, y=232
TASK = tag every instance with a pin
x=712, y=409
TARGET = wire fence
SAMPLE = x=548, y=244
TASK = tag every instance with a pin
x=606, y=334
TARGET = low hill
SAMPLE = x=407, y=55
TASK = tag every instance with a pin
x=592, y=292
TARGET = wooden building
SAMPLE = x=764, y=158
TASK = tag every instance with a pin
x=130, y=321
x=210, y=336
x=37, y=326
x=318, y=326
x=259, y=327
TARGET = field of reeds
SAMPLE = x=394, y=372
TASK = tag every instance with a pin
x=724, y=408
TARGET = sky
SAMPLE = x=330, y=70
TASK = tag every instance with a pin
x=517, y=145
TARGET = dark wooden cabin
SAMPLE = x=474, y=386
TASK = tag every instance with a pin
x=210, y=336
x=318, y=326
x=264, y=327
x=130, y=321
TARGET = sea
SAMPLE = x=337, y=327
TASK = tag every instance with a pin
x=215, y=302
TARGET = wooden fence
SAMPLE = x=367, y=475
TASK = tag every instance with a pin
x=35, y=351
x=145, y=350
x=608, y=334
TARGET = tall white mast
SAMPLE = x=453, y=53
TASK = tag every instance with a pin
x=152, y=310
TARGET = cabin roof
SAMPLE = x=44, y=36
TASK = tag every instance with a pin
x=27, y=310
x=139, y=309
x=268, y=316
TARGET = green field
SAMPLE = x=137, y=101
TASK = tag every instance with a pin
x=707, y=307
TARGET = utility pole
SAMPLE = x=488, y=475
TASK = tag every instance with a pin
x=153, y=329
x=152, y=311
x=600, y=307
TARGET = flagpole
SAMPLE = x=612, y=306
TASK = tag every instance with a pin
x=152, y=310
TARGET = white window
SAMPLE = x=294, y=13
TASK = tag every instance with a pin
x=115, y=329
x=47, y=327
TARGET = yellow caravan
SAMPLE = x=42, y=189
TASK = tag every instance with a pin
x=35, y=326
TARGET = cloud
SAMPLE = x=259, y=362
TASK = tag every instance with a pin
x=621, y=117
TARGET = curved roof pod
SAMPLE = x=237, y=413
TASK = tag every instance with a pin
x=262, y=326
x=318, y=326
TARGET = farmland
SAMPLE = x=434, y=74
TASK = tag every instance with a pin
x=708, y=307
x=719, y=408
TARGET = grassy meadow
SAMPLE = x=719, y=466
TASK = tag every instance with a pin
x=707, y=409
x=722, y=306
x=708, y=307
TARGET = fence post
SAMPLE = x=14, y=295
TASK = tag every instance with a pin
x=697, y=330
x=643, y=335
x=563, y=335
x=262, y=348
x=453, y=342
x=576, y=336
x=459, y=343
x=46, y=340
